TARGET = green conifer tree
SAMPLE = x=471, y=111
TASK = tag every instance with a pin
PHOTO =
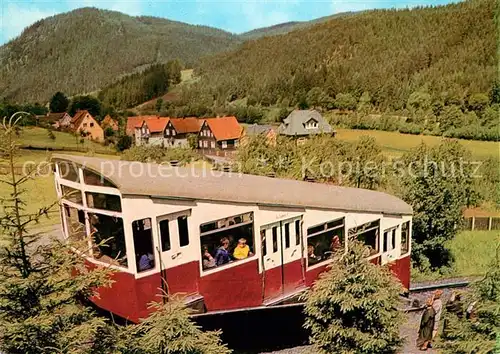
x=41, y=282
x=169, y=330
x=478, y=333
x=352, y=307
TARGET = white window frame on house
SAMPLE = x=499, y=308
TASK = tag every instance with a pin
x=205, y=144
x=224, y=144
x=200, y=144
x=312, y=124
x=167, y=132
x=212, y=144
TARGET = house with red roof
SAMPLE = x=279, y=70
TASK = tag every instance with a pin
x=178, y=129
x=150, y=131
x=219, y=135
x=109, y=122
x=84, y=124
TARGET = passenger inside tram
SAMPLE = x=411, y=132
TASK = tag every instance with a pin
x=226, y=240
x=242, y=250
x=208, y=260
x=222, y=255
x=311, y=257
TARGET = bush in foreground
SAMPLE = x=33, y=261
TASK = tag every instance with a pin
x=352, y=307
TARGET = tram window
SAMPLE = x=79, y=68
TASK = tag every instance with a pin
x=94, y=179
x=325, y=240
x=103, y=201
x=275, y=239
x=297, y=232
x=183, y=231
x=165, y=235
x=386, y=236
x=72, y=194
x=143, y=244
x=405, y=238
x=69, y=171
x=287, y=235
x=227, y=240
x=109, y=239
x=75, y=220
x=393, y=239
x=368, y=234
x=263, y=240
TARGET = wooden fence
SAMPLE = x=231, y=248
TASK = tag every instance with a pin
x=40, y=168
x=483, y=223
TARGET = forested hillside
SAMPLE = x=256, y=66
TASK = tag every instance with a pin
x=286, y=27
x=440, y=54
x=87, y=49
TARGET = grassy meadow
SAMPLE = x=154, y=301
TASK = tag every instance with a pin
x=473, y=252
x=38, y=137
x=395, y=144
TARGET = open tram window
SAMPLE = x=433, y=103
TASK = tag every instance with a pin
x=227, y=240
x=368, y=234
x=389, y=240
x=143, y=244
x=72, y=194
x=94, y=179
x=103, y=201
x=405, y=238
x=109, y=239
x=324, y=241
x=75, y=223
x=69, y=171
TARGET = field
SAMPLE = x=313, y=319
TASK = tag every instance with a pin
x=395, y=144
x=472, y=250
x=38, y=137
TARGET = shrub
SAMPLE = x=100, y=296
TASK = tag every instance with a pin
x=352, y=307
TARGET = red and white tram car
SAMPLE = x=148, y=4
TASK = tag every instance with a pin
x=169, y=222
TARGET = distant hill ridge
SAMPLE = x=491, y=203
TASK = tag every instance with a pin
x=86, y=49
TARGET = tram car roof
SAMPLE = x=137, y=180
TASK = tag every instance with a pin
x=164, y=181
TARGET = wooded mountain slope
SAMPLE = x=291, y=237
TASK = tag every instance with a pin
x=448, y=52
x=287, y=27
x=86, y=49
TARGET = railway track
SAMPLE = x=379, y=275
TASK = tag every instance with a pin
x=420, y=292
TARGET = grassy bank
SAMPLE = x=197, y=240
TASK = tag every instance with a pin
x=472, y=250
x=395, y=144
x=39, y=137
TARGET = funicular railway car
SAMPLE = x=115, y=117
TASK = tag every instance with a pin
x=226, y=241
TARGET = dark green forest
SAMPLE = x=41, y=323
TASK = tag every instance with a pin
x=434, y=68
x=134, y=89
x=86, y=49
x=448, y=52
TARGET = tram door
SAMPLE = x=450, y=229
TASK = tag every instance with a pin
x=282, y=251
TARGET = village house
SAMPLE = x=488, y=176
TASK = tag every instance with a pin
x=109, y=122
x=56, y=120
x=150, y=131
x=302, y=124
x=268, y=131
x=219, y=136
x=178, y=129
x=84, y=124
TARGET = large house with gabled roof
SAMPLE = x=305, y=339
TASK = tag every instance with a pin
x=84, y=124
x=302, y=124
x=219, y=135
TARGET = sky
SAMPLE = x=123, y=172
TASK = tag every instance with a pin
x=235, y=16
